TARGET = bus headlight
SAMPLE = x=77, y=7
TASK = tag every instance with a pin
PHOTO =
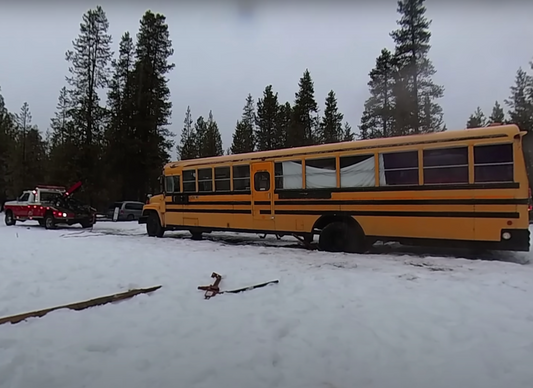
x=506, y=235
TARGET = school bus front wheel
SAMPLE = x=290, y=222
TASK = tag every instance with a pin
x=153, y=225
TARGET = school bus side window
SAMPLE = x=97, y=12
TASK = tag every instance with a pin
x=222, y=179
x=189, y=181
x=358, y=171
x=493, y=163
x=205, y=179
x=446, y=165
x=241, y=177
x=399, y=168
x=288, y=175
x=320, y=173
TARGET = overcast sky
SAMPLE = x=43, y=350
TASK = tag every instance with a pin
x=223, y=53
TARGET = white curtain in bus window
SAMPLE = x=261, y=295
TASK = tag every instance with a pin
x=400, y=169
x=320, y=173
x=289, y=175
x=358, y=171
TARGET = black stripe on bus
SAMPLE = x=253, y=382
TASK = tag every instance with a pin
x=326, y=193
x=428, y=214
x=200, y=193
x=449, y=201
x=222, y=211
x=244, y=203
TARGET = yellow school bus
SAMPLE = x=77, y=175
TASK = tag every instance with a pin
x=460, y=188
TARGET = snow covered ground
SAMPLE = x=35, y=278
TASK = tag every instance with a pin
x=397, y=318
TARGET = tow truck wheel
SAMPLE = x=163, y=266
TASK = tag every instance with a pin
x=86, y=224
x=9, y=219
x=49, y=221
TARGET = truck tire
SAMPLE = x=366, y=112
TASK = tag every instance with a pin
x=9, y=219
x=86, y=224
x=49, y=221
x=153, y=226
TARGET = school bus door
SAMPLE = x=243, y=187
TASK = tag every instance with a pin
x=262, y=184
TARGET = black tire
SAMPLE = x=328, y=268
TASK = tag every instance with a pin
x=49, y=221
x=41, y=222
x=86, y=224
x=196, y=235
x=342, y=237
x=9, y=219
x=130, y=217
x=153, y=226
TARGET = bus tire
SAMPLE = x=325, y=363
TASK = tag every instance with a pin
x=195, y=235
x=340, y=236
x=153, y=225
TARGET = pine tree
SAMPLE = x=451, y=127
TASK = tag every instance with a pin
x=378, y=115
x=520, y=102
x=89, y=73
x=7, y=153
x=243, y=137
x=414, y=89
x=37, y=160
x=152, y=108
x=267, y=120
x=283, y=124
x=497, y=115
x=305, y=110
x=30, y=153
x=210, y=140
x=431, y=116
x=477, y=119
x=120, y=142
x=64, y=143
x=188, y=148
x=330, y=129
x=23, y=125
x=347, y=133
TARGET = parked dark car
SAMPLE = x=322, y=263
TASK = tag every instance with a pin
x=127, y=210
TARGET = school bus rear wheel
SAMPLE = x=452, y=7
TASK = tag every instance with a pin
x=340, y=236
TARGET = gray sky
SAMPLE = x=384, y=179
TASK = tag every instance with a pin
x=222, y=54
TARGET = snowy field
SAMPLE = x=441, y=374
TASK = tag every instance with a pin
x=397, y=318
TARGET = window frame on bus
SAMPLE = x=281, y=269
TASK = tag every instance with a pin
x=506, y=168
x=456, y=173
x=219, y=181
x=208, y=181
x=186, y=182
x=383, y=174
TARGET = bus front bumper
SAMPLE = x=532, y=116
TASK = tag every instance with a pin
x=142, y=219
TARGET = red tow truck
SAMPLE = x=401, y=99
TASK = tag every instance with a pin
x=50, y=206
